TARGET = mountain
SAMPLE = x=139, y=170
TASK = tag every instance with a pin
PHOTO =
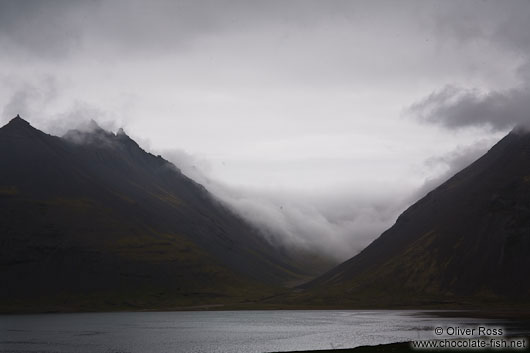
x=91, y=221
x=465, y=243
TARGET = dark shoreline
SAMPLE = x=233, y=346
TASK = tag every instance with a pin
x=407, y=347
x=389, y=347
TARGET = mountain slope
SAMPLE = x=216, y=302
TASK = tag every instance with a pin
x=469, y=238
x=94, y=216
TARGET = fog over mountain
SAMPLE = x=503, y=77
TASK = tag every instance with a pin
x=317, y=121
x=335, y=223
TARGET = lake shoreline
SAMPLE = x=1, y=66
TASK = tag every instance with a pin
x=388, y=347
x=406, y=347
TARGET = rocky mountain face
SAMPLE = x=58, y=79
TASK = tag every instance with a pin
x=92, y=221
x=467, y=241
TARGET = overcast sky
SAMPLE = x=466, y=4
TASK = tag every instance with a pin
x=320, y=121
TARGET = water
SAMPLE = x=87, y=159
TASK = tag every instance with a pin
x=215, y=331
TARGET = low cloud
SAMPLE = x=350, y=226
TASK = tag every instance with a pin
x=336, y=225
x=29, y=99
x=38, y=100
x=454, y=107
x=339, y=224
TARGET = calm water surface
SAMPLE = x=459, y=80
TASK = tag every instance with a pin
x=215, y=331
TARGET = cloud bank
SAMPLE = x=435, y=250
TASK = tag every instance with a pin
x=455, y=106
x=334, y=224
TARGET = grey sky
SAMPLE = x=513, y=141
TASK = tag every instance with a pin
x=320, y=120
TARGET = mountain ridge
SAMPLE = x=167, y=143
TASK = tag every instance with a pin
x=93, y=215
x=468, y=238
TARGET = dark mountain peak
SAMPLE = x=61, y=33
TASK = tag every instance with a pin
x=121, y=135
x=125, y=139
x=91, y=134
x=18, y=120
x=19, y=127
x=118, y=146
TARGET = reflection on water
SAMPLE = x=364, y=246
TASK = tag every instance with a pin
x=216, y=331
